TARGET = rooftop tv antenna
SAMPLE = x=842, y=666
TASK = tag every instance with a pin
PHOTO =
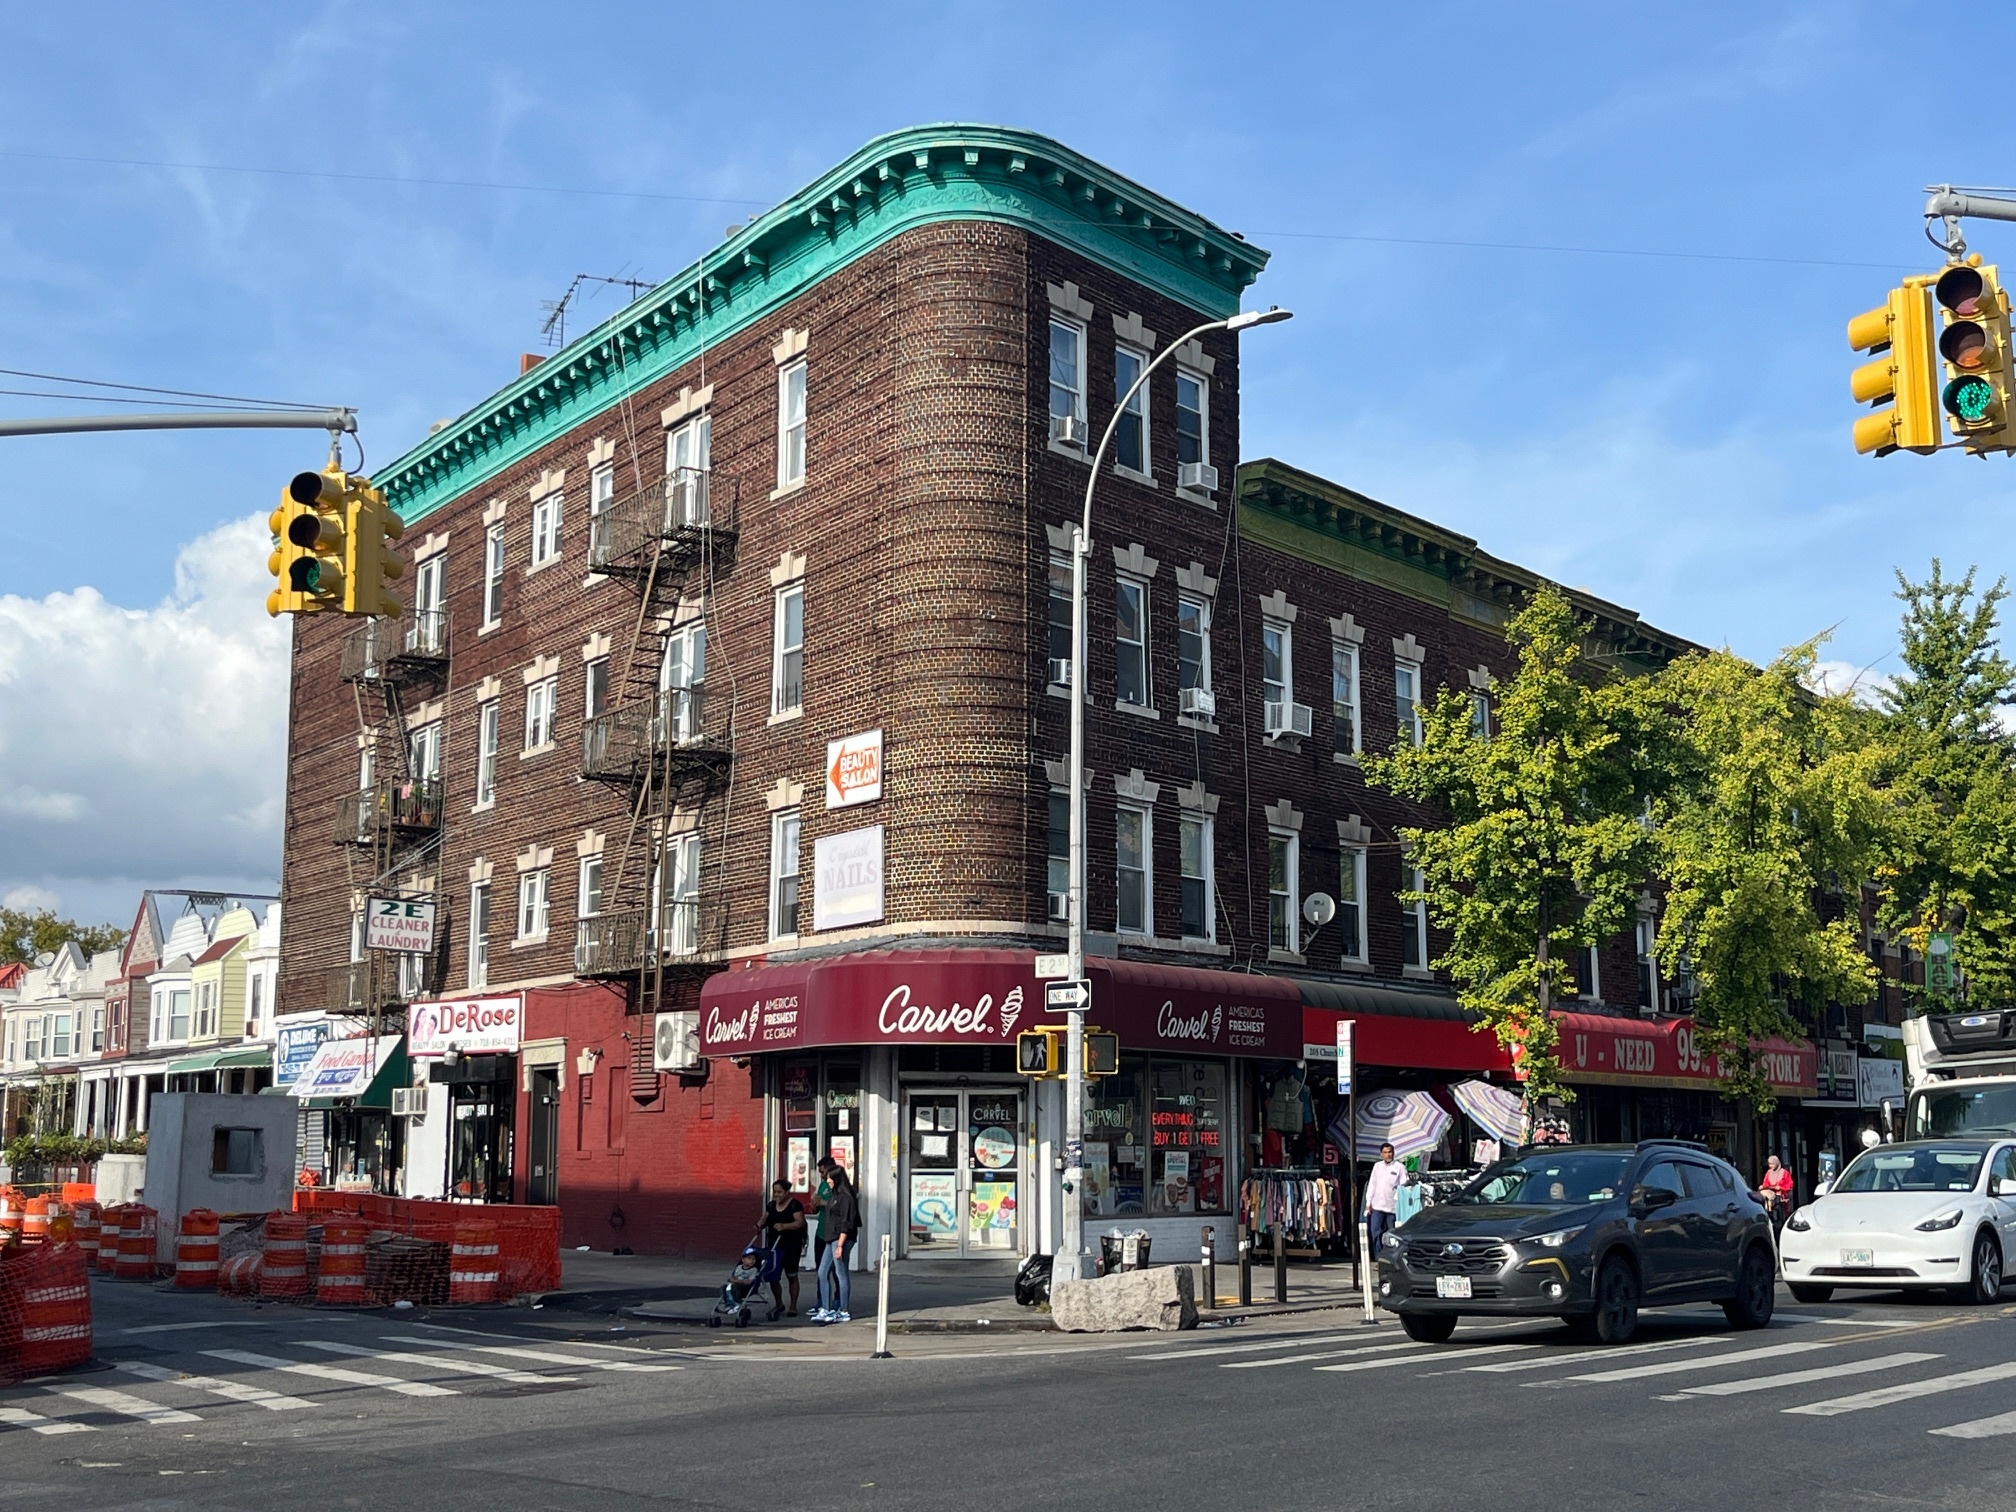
x=554, y=331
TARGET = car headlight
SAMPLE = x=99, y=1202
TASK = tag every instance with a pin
x=1799, y=1223
x=1559, y=1237
x=1389, y=1240
x=1943, y=1221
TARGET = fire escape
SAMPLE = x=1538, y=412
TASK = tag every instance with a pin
x=666, y=744
x=392, y=824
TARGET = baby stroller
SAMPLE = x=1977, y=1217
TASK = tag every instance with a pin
x=757, y=1267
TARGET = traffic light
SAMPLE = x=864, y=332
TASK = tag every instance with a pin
x=1102, y=1053
x=307, y=559
x=374, y=527
x=1975, y=345
x=1899, y=333
x=1042, y=1053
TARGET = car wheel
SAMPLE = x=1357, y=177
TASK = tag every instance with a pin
x=1985, y=1284
x=1429, y=1328
x=1615, y=1319
x=1803, y=1292
x=1756, y=1291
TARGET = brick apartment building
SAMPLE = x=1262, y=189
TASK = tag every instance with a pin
x=728, y=693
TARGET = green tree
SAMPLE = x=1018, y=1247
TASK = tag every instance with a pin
x=1777, y=812
x=1545, y=844
x=26, y=937
x=1951, y=773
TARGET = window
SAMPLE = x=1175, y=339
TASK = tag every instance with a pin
x=1193, y=418
x=1067, y=373
x=493, y=575
x=1648, y=971
x=588, y=894
x=487, y=717
x=1130, y=437
x=679, y=675
x=1134, y=911
x=688, y=455
x=1277, y=662
x=1664, y=1177
x=1162, y=1127
x=546, y=530
x=479, y=934
x=678, y=885
x=98, y=1021
x=33, y=1046
x=1480, y=715
x=791, y=425
x=59, y=1036
x=1130, y=642
x=237, y=1152
x=429, y=597
x=1704, y=1181
x=787, y=655
x=1588, y=983
x=1414, y=921
x=423, y=752
x=539, y=699
x=532, y=887
x=356, y=936
x=1407, y=701
x=783, y=873
x=178, y=1013
x=206, y=1015
x=1344, y=696
x=601, y=489
x=1060, y=611
x=1351, y=903
x=1283, y=926
x=595, y=690
x=1059, y=871
x=367, y=767
x=1193, y=643
x=1194, y=843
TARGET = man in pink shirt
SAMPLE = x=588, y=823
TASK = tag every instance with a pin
x=1382, y=1196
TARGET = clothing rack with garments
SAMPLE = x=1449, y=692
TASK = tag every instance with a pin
x=1298, y=1201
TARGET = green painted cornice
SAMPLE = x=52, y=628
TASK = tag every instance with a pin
x=1338, y=527
x=896, y=183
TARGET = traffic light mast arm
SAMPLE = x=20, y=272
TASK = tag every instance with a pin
x=331, y=420
x=1945, y=203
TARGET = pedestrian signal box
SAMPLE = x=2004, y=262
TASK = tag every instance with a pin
x=1041, y=1053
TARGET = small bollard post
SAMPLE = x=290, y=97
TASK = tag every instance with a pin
x=1280, y=1264
x=1245, y=1268
x=882, y=1307
x=1209, y=1270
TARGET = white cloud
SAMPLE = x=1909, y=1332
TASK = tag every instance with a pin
x=145, y=743
x=1865, y=683
x=31, y=899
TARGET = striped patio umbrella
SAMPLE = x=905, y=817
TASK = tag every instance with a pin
x=1411, y=1122
x=1496, y=1111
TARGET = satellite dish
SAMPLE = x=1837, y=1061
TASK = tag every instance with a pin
x=1319, y=908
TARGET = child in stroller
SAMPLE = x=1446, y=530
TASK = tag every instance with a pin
x=756, y=1266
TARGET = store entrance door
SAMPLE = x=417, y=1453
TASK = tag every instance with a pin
x=963, y=1179
x=542, y=1178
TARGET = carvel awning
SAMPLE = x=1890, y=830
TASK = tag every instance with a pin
x=360, y=1072
x=1396, y=1026
x=941, y=997
x=1633, y=1052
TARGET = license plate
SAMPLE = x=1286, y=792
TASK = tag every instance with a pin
x=1452, y=1286
x=1858, y=1257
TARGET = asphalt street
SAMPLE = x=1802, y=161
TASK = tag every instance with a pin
x=196, y=1401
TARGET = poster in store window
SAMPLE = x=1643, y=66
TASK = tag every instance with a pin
x=993, y=1206
x=843, y=1154
x=934, y=1205
x=798, y=1162
x=1098, y=1177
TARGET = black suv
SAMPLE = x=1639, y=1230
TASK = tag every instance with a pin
x=1584, y=1232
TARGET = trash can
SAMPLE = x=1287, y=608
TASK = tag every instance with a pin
x=1123, y=1252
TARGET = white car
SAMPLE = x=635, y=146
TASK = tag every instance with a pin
x=1933, y=1212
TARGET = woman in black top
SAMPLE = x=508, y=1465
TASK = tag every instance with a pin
x=784, y=1231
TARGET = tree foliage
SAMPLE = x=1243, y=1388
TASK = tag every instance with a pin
x=1544, y=844
x=26, y=937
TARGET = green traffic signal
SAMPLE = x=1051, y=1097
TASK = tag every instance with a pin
x=1969, y=398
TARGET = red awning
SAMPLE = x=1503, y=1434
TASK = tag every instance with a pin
x=1382, y=1039
x=980, y=997
x=1632, y=1052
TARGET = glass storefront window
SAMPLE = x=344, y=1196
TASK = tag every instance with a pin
x=843, y=1118
x=1155, y=1141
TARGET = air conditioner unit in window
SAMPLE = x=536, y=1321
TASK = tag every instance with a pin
x=1196, y=701
x=1287, y=719
x=1060, y=671
x=1068, y=430
x=1201, y=476
x=409, y=1102
x=1060, y=905
x=675, y=1042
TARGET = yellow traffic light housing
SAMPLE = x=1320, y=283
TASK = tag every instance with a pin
x=1975, y=346
x=374, y=527
x=308, y=555
x=1042, y=1053
x=1102, y=1053
x=1899, y=333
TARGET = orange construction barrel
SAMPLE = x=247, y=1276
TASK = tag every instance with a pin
x=135, y=1260
x=84, y=1221
x=340, y=1282
x=472, y=1263
x=196, y=1250
x=109, y=1220
x=284, y=1268
x=55, y=1311
x=35, y=1221
x=10, y=1216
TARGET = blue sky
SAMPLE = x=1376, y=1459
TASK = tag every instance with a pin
x=1669, y=431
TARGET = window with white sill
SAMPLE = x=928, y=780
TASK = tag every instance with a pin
x=1195, y=859
x=588, y=888
x=688, y=460
x=1193, y=643
x=1130, y=642
x=1193, y=420
x=680, y=676
x=595, y=689
x=1130, y=435
x=1413, y=920
x=791, y=424
x=1351, y=903
x=546, y=516
x=1344, y=697
x=1135, y=907
x=1067, y=377
x=1059, y=624
x=59, y=1036
x=1058, y=852
x=97, y=1030
x=676, y=895
x=783, y=874
x=1277, y=663
x=1648, y=967
x=1407, y=701
x=489, y=716
x=787, y=651
x=601, y=489
x=1284, y=922
x=540, y=698
x=532, y=901
x=479, y=934
x=423, y=751
x=493, y=575
x=1480, y=715
x=178, y=1013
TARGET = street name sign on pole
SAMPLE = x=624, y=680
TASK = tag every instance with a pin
x=1050, y=967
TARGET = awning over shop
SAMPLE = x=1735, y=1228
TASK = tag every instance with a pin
x=250, y=1055
x=938, y=997
x=353, y=1072
x=191, y=1064
x=1396, y=1026
x=1636, y=1052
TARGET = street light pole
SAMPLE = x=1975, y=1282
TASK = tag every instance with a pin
x=1070, y=1261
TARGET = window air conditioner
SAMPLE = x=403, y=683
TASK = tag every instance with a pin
x=675, y=1042
x=1287, y=719
x=1197, y=701
x=1069, y=430
x=409, y=1102
x=1201, y=476
x=1060, y=905
x=1060, y=671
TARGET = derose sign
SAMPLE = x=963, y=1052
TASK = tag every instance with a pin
x=474, y=1026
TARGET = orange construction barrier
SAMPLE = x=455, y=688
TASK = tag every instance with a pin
x=10, y=1216
x=196, y=1250
x=528, y=1237
x=472, y=1263
x=340, y=1282
x=55, y=1311
x=284, y=1272
x=109, y=1220
x=75, y=1192
x=135, y=1260
x=239, y=1276
x=35, y=1221
x=84, y=1222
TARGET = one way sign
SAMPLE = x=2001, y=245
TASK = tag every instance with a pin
x=1062, y=997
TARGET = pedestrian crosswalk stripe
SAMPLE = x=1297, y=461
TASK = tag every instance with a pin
x=1325, y=1354
x=1310, y=1342
x=1803, y=1377
x=1422, y=1357
x=1988, y=1427
x=1707, y=1362
x=1575, y=1357
x=549, y=1356
x=34, y=1422
x=331, y=1373
x=120, y=1402
x=237, y=1391
x=435, y=1361
x=1883, y=1396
